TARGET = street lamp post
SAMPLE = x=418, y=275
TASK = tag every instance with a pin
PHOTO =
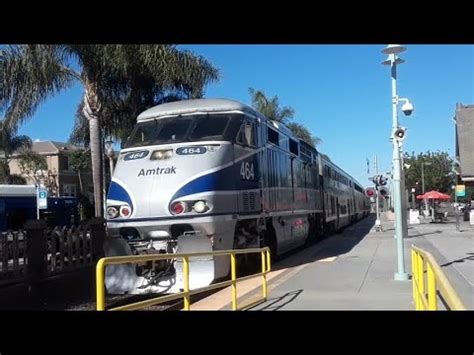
x=109, y=150
x=393, y=60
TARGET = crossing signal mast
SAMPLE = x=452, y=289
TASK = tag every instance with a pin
x=380, y=191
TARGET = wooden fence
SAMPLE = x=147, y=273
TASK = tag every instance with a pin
x=40, y=252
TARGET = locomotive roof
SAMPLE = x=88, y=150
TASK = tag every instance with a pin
x=194, y=106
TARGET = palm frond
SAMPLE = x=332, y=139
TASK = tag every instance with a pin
x=29, y=74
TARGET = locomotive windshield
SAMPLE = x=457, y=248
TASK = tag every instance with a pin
x=185, y=129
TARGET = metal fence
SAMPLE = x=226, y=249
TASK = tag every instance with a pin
x=187, y=293
x=430, y=284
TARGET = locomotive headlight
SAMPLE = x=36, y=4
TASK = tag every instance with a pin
x=161, y=154
x=200, y=206
x=112, y=212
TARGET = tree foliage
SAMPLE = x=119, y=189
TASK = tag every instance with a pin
x=122, y=76
x=80, y=160
x=302, y=132
x=30, y=163
x=437, y=173
x=10, y=144
x=119, y=81
x=271, y=109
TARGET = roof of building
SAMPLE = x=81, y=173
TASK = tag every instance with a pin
x=465, y=139
x=52, y=147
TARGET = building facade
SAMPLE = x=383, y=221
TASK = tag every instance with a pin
x=464, y=118
x=62, y=180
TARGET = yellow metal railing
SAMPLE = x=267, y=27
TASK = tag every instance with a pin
x=428, y=280
x=187, y=293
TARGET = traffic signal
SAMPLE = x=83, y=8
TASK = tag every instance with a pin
x=370, y=192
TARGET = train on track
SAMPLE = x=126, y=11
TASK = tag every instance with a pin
x=214, y=174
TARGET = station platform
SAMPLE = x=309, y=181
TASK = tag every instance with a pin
x=354, y=270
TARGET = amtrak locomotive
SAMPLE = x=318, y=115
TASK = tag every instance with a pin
x=208, y=174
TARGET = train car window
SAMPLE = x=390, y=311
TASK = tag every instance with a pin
x=173, y=129
x=273, y=136
x=232, y=132
x=211, y=126
x=294, y=147
x=143, y=134
x=249, y=133
x=246, y=135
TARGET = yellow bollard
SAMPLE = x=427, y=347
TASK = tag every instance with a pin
x=100, y=284
x=234, y=284
x=264, y=276
x=187, y=298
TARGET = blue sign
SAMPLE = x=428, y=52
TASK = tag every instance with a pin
x=42, y=199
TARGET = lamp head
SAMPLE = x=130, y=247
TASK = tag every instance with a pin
x=394, y=49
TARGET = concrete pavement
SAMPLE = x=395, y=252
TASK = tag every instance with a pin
x=354, y=270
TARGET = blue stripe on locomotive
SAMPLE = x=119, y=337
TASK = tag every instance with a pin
x=117, y=192
x=227, y=179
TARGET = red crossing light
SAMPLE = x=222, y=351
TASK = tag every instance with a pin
x=370, y=192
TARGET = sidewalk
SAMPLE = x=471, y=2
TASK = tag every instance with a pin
x=454, y=252
x=355, y=270
x=358, y=276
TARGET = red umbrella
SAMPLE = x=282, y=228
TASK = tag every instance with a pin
x=435, y=195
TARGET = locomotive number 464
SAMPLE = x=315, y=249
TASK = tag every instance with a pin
x=247, y=171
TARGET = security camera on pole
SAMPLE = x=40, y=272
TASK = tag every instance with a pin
x=398, y=135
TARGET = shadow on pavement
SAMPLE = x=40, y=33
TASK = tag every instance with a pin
x=422, y=234
x=469, y=257
x=274, y=304
x=334, y=245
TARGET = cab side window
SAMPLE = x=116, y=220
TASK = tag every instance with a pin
x=246, y=135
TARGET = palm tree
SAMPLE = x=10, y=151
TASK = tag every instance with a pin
x=9, y=144
x=110, y=75
x=271, y=109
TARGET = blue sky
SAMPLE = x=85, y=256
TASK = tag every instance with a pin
x=342, y=93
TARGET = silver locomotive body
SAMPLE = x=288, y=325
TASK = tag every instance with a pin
x=178, y=196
